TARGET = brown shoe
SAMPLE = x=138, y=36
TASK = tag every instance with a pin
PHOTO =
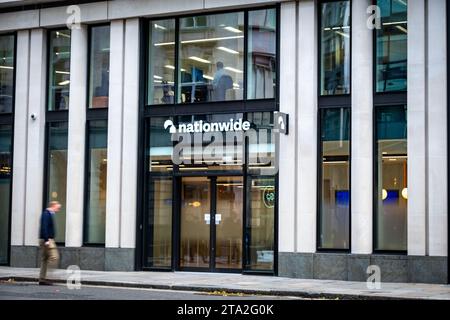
x=45, y=283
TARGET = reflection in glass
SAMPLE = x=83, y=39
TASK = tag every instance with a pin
x=161, y=146
x=261, y=144
x=5, y=189
x=59, y=70
x=161, y=62
x=261, y=54
x=57, y=173
x=391, y=46
x=195, y=222
x=159, y=231
x=96, y=182
x=211, y=58
x=6, y=73
x=334, y=214
x=392, y=193
x=335, y=48
x=261, y=224
x=99, y=67
x=228, y=219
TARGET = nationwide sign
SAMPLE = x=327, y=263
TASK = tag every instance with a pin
x=202, y=126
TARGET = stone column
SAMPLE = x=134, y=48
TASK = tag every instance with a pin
x=417, y=186
x=130, y=135
x=287, y=198
x=76, y=138
x=35, y=135
x=362, y=130
x=21, y=117
x=307, y=127
x=437, y=127
x=115, y=115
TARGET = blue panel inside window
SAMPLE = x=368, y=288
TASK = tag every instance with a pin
x=342, y=198
x=392, y=197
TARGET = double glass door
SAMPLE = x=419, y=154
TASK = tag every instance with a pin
x=211, y=223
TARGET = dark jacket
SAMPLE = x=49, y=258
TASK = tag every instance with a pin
x=47, y=230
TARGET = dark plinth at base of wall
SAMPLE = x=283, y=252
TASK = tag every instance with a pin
x=86, y=258
x=353, y=267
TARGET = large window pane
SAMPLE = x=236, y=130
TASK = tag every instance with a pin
x=161, y=146
x=261, y=144
x=158, y=234
x=392, y=193
x=96, y=182
x=334, y=212
x=391, y=61
x=59, y=70
x=261, y=73
x=335, y=48
x=261, y=224
x=99, y=67
x=57, y=173
x=211, y=58
x=161, y=62
x=6, y=73
x=5, y=189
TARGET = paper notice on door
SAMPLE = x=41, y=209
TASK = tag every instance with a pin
x=218, y=218
x=207, y=218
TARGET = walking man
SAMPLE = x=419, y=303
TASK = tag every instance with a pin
x=47, y=241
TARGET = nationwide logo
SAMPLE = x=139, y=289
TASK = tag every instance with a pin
x=200, y=126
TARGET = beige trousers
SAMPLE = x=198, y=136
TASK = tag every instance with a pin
x=49, y=257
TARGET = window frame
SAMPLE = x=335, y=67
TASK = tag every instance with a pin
x=8, y=119
x=376, y=182
x=337, y=98
x=380, y=97
x=244, y=105
x=92, y=114
x=319, y=177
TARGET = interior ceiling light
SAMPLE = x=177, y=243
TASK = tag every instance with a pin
x=232, y=29
x=228, y=50
x=199, y=59
x=233, y=69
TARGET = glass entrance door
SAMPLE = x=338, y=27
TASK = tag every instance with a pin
x=211, y=222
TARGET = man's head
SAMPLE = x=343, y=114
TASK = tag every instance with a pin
x=54, y=206
x=219, y=65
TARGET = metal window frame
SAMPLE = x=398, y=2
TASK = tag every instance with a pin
x=92, y=114
x=8, y=119
x=319, y=182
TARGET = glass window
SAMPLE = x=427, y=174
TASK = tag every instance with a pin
x=391, y=46
x=335, y=48
x=334, y=210
x=6, y=73
x=59, y=70
x=57, y=173
x=261, y=144
x=261, y=56
x=5, y=189
x=99, y=67
x=211, y=58
x=161, y=146
x=261, y=224
x=158, y=234
x=161, y=62
x=96, y=182
x=391, y=166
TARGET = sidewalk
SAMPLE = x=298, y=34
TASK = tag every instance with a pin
x=238, y=283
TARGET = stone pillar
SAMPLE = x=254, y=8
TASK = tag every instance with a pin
x=306, y=123
x=115, y=115
x=437, y=127
x=362, y=130
x=21, y=117
x=130, y=135
x=417, y=185
x=287, y=198
x=35, y=135
x=76, y=138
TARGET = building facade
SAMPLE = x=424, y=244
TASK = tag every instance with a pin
x=291, y=138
